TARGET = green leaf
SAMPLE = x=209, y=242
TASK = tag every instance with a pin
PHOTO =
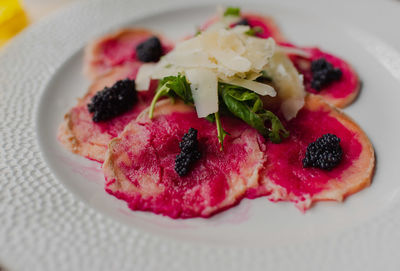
x=198, y=32
x=232, y=11
x=179, y=86
x=248, y=106
x=220, y=131
x=210, y=118
x=254, y=31
x=172, y=86
x=277, y=130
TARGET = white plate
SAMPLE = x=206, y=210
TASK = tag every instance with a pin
x=46, y=227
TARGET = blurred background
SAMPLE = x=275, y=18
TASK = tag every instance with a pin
x=15, y=15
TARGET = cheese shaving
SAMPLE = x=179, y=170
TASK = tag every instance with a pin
x=143, y=77
x=229, y=53
x=204, y=87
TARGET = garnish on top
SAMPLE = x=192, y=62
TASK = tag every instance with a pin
x=189, y=152
x=113, y=101
x=218, y=70
x=323, y=73
x=324, y=153
x=149, y=50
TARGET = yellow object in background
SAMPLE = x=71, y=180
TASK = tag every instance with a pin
x=12, y=19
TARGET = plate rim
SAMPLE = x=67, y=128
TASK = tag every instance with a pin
x=147, y=241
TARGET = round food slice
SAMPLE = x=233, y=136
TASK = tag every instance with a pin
x=140, y=164
x=81, y=135
x=285, y=178
x=118, y=48
x=340, y=91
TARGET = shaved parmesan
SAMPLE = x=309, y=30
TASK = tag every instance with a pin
x=294, y=51
x=143, y=77
x=229, y=53
x=259, y=88
x=288, y=83
x=204, y=87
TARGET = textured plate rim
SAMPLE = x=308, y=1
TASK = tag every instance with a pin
x=40, y=238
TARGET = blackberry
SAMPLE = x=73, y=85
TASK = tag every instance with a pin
x=243, y=21
x=189, y=152
x=323, y=73
x=113, y=101
x=324, y=153
x=149, y=50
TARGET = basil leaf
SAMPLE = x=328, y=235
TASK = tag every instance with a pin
x=232, y=11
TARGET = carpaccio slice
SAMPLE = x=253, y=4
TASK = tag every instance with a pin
x=338, y=93
x=81, y=135
x=285, y=179
x=139, y=166
x=117, y=49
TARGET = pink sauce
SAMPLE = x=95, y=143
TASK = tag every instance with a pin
x=284, y=163
x=205, y=185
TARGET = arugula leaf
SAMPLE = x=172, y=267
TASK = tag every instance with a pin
x=254, y=31
x=210, y=118
x=277, y=129
x=232, y=11
x=172, y=86
x=198, y=32
x=220, y=131
x=248, y=106
x=179, y=86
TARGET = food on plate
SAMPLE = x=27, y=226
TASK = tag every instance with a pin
x=261, y=26
x=140, y=165
x=83, y=135
x=340, y=88
x=233, y=112
x=124, y=46
x=328, y=76
x=326, y=157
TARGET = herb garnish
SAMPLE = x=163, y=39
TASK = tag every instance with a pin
x=249, y=107
x=238, y=101
x=232, y=11
x=254, y=31
x=172, y=86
